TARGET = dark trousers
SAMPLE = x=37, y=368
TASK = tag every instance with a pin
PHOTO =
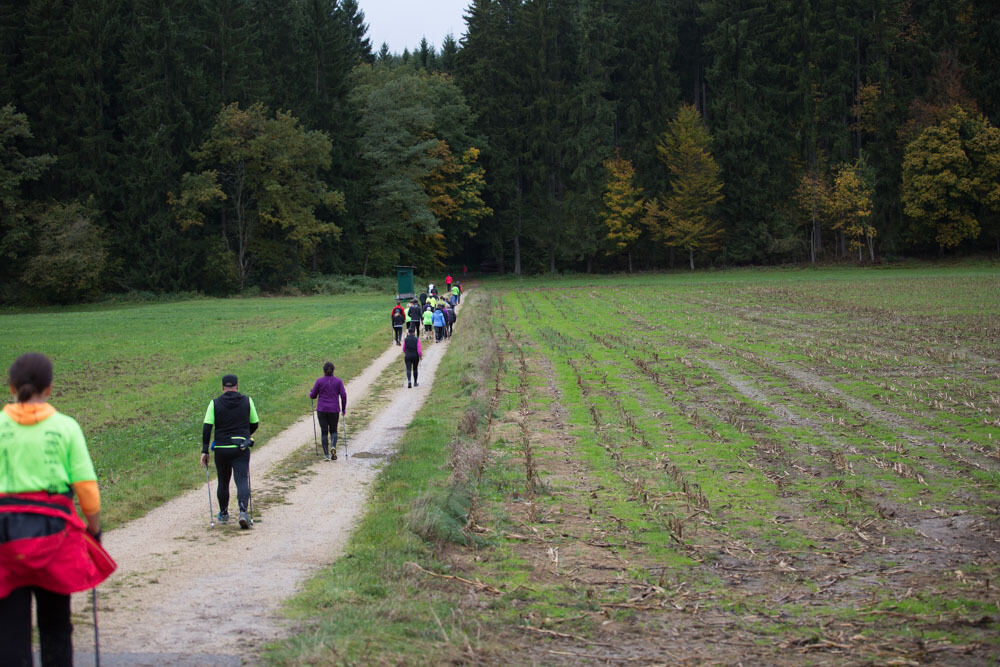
x=55, y=631
x=328, y=422
x=233, y=462
x=411, y=363
x=399, y=333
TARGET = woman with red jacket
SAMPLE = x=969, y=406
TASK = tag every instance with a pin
x=46, y=550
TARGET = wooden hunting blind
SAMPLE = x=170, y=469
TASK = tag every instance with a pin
x=404, y=282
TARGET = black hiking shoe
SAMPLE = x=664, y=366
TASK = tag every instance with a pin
x=408, y=385
x=244, y=520
x=223, y=517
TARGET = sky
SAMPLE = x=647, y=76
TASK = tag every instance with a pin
x=402, y=23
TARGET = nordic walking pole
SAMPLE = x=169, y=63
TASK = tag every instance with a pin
x=97, y=637
x=208, y=487
x=315, y=442
x=346, y=455
x=250, y=489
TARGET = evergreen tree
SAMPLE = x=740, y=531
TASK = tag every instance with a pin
x=492, y=73
x=163, y=112
x=748, y=87
x=449, y=54
x=353, y=21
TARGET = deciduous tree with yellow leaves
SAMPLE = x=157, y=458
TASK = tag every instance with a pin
x=951, y=177
x=623, y=206
x=851, y=207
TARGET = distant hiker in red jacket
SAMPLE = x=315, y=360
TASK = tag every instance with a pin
x=447, y=284
x=398, y=319
x=46, y=550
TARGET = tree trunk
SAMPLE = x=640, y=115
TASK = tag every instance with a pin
x=812, y=241
x=517, y=251
x=630, y=260
x=691, y=257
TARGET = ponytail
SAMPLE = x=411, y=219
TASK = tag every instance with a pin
x=30, y=375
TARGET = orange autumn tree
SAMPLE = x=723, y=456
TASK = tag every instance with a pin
x=454, y=189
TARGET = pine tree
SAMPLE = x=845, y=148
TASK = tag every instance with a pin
x=748, y=87
x=449, y=54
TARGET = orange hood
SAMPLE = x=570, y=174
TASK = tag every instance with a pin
x=27, y=414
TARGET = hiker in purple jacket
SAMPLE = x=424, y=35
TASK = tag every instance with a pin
x=332, y=402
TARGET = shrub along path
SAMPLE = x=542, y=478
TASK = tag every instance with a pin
x=186, y=593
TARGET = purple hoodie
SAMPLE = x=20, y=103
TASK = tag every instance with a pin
x=328, y=388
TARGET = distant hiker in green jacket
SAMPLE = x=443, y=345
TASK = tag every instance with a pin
x=428, y=321
x=234, y=418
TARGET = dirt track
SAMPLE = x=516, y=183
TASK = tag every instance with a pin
x=188, y=594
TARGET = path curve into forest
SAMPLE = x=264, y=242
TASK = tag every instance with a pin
x=188, y=594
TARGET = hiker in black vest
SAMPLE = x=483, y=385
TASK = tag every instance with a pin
x=415, y=313
x=411, y=357
x=235, y=419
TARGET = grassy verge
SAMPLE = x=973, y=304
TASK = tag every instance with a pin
x=373, y=605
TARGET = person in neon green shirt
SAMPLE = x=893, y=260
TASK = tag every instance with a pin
x=428, y=319
x=45, y=551
x=234, y=418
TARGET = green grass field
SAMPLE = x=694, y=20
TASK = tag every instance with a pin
x=138, y=378
x=771, y=466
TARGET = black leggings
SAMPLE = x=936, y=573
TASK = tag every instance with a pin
x=411, y=362
x=328, y=422
x=236, y=463
x=399, y=333
x=55, y=631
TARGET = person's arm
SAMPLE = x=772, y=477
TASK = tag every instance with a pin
x=206, y=432
x=343, y=398
x=254, y=419
x=420, y=352
x=90, y=503
x=315, y=390
x=83, y=478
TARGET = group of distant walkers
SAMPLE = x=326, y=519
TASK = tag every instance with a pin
x=435, y=311
x=47, y=552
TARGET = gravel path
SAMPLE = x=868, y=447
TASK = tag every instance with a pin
x=186, y=594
